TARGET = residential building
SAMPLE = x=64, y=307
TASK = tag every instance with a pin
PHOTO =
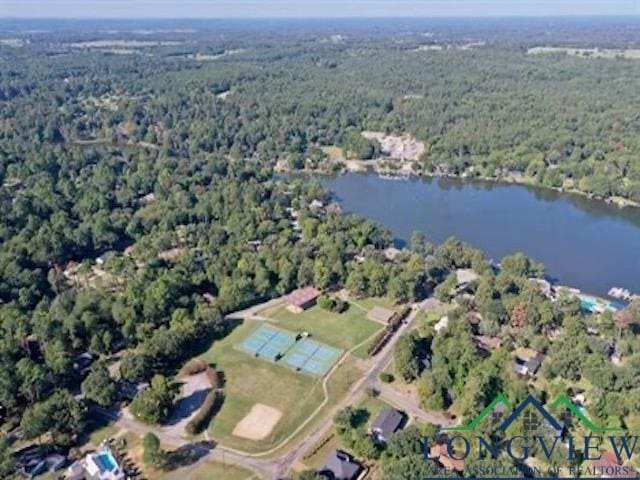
x=341, y=466
x=388, y=422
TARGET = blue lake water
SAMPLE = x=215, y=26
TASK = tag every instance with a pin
x=584, y=243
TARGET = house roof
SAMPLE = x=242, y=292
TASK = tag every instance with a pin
x=488, y=343
x=340, y=466
x=525, y=354
x=302, y=296
x=466, y=275
x=440, y=452
x=607, y=459
x=379, y=314
x=387, y=422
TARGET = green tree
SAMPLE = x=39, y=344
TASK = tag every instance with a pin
x=99, y=386
x=152, y=454
x=153, y=405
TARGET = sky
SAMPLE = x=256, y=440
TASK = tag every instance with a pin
x=310, y=8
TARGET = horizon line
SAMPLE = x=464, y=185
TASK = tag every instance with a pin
x=337, y=17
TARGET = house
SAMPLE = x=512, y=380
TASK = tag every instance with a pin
x=487, y=343
x=170, y=255
x=465, y=277
x=302, y=299
x=545, y=287
x=387, y=423
x=440, y=453
x=441, y=324
x=55, y=461
x=616, y=355
x=391, y=253
x=340, y=466
x=102, y=259
x=527, y=361
x=609, y=466
x=316, y=205
x=380, y=315
x=30, y=461
x=82, y=362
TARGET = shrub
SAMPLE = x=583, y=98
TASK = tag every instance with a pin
x=215, y=377
x=194, y=366
x=210, y=407
x=152, y=454
x=386, y=377
x=332, y=304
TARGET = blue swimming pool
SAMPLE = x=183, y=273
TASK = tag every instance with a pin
x=106, y=462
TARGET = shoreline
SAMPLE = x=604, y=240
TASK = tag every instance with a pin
x=368, y=166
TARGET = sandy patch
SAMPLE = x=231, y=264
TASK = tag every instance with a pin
x=258, y=423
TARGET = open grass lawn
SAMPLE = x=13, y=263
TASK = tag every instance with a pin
x=335, y=153
x=344, y=330
x=316, y=460
x=205, y=471
x=374, y=406
x=249, y=381
x=370, y=302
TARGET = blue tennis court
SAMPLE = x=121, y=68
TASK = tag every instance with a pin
x=281, y=346
x=311, y=357
x=268, y=342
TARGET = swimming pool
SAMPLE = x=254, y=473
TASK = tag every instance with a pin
x=106, y=462
x=593, y=304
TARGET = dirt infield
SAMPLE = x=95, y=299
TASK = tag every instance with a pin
x=258, y=424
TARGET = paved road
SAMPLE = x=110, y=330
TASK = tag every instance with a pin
x=275, y=469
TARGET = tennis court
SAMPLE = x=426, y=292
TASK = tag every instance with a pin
x=311, y=357
x=268, y=342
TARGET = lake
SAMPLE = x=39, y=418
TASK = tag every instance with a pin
x=584, y=243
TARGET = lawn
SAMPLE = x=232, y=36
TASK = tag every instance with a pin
x=344, y=330
x=334, y=153
x=250, y=380
x=206, y=471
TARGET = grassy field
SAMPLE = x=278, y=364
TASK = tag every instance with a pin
x=250, y=381
x=206, y=471
x=344, y=330
x=334, y=153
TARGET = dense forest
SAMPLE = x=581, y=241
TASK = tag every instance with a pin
x=139, y=200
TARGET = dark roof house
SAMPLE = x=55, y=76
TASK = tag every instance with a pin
x=387, y=423
x=340, y=466
x=527, y=361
